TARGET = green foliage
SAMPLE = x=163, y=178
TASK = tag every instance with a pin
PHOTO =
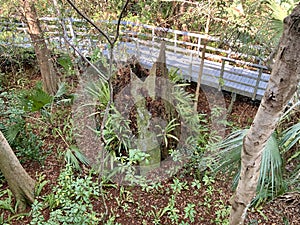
x=166, y=132
x=279, y=10
x=66, y=63
x=190, y=212
x=178, y=186
x=19, y=134
x=12, y=58
x=70, y=202
x=117, y=132
x=271, y=181
x=7, y=204
x=72, y=155
x=100, y=92
x=222, y=213
x=36, y=99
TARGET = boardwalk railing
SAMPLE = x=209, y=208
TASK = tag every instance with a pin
x=183, y=52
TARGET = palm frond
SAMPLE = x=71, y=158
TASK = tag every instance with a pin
x=271, y=168
x=290, y=137
x=62, y=90
x=12, y=131
x=35, y=99
x=74, y=157
x=228, y=159
x=100, y=91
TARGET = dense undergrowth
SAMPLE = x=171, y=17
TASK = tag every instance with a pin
x=40, y=127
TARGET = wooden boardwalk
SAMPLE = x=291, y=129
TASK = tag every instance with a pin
x=221, y=75
x=143, y=41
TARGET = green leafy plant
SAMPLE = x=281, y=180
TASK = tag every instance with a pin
x=70, y=202
x=6, y=202
x=222, y=213
x=18, y=132
x=166, y=131
x=72, y=154
x=36, y=99
x=271, y=180
x=158, y=214
x=172, y=211
x=177, y=186
x=190, y=212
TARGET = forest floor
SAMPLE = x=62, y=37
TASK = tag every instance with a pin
x=132, y=205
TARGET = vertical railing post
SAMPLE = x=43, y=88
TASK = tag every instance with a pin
x=199, y=45
x=72, y=32
x=175, y=42
x=153, y=38
x=221, y=79
x=191, y=67
x=257, y=83
x=25, y=40
x=138, y=49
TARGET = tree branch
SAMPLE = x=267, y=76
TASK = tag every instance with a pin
x=90, y=22
x=119, y=21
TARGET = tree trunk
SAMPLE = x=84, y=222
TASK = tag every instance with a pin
x=42, y=52
x=20, y=183
x=201, y=64
x=282, y=85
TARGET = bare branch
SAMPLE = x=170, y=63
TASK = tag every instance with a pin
x=90, y=22
x=119, y=21
x=85, y=59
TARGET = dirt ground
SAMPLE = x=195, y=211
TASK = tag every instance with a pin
x=139, y=203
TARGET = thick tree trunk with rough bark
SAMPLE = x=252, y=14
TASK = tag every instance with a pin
x=42, y=52
x=282, y=85
x=20, y=183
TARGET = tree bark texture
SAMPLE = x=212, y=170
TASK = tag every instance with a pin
x=281, y=87
x=43, y=55
x=20, y=183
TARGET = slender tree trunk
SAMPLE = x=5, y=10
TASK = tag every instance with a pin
x=201, y=64
x=42, y=52
x=20, y=183
x=282, y=85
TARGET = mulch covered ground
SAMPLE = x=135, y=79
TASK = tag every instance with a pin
x=137, y=205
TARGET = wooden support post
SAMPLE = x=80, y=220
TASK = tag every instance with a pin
x=257, y=83
x=138, y=50
x=221, y=80
x=233, y=98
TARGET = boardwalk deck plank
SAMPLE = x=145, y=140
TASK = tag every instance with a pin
x=236, y=79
